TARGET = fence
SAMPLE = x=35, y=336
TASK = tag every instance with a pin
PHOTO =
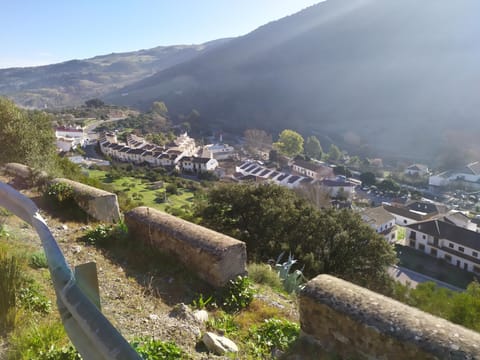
x=89, y=330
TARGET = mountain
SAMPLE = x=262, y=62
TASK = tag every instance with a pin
x=396, y=76
x=72, y=82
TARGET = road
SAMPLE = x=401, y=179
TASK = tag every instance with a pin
x=404, y=276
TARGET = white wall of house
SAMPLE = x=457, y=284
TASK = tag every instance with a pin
x=425, y=243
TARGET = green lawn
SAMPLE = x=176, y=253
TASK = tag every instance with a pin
x=140, y=190
x=430, y=266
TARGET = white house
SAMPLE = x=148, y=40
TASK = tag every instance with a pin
x=335, y=187
x=417, y=170
x=382, y=221
x=218, y=151
x=314, y=170
x=69, y=138
x=456, y=245
x=414, y=211
x=468, y=176
x=198, y=164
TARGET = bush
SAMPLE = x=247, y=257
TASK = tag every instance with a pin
x=103, y=235
x=223, y=323
x=263, y=274
x=151, y=349
x=237, y=295
x=171, y=189
x=60, y=192
x=38, y=260
x=32, y=299
x=274, y=334
x=10, y=282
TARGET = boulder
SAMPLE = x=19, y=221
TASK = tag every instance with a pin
x=219, y=344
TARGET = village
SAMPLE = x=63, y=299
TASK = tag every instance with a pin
x=440, y=224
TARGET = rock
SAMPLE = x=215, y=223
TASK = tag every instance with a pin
x=64, y=227
x=219, y=344
x=76, y=249
x=153, y=317
x=201, y=316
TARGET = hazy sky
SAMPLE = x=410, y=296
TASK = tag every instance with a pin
x=35, y=32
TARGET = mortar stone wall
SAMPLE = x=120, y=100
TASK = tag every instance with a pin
x=356, y=323
x=216, y=258
x=24, y=172
x=99, y=204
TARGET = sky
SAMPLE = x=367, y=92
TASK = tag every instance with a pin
x=39, y=32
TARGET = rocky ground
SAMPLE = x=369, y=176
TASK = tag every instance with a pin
x=138, y=302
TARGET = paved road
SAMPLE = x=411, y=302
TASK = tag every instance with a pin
x=405, y=276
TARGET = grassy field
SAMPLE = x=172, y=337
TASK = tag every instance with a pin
x=144, y=191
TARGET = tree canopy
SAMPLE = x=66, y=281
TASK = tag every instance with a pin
x=313, y=149
x=367, y=178
x=289, y=143
x=272, y=219
x=27, y=137
x=334, y=153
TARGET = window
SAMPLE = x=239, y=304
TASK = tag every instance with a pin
x=474, y=254
x=461, y=249
x=476, y=269
x=393, y=236
x=448, y=258
x=450, y=245
x=424, y=237
x=412, y=243
x=404, y=221
x=421, y=247
x=433, y=252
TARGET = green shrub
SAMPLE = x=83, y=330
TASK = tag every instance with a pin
x=223, y=322
x=60, y=192
x=104, y=235
x=40, y=341
x=171, y=189
x=10, y=282
x=263, y=274
x=237, y=295
x=200, y=303
x=38, y=260
x=32, y=299
x=151, y=349
x=273, y=334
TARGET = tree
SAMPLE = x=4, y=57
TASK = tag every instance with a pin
x=289, y=143
x=160, y=108
x=94, y=103
x=26, y=137
x=389, y=185
x=257, y=139
x=367, y=178
x=272, y=219
x=313, y=149
x=334, y=153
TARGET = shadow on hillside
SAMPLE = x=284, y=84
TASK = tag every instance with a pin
x=160, y=275
x=68, y=212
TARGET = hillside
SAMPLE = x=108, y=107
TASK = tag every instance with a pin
x=400, y=77
x=72, y=82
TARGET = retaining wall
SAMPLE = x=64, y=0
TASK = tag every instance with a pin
x=216, y=258
x=356, y=323
x=25, y=173
x=97, y=203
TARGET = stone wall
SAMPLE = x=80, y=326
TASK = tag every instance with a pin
x=99, y=204
x=24, y=173
x=356, y=323
x=216, y=258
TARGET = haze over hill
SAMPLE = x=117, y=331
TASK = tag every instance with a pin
x=72, y=82
x=396, y=75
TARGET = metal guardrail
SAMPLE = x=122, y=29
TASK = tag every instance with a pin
x=89, y=330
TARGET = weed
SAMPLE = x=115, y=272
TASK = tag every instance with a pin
x=200, y=303
x=38, y=260
x=292, y=281
x=10, y=282
x=237, y=295
x=60, y=192
x=257, y=312
x=151, y=349
x=36, y=341
x=223, y=323
x=263, y=274
x=104, y=234
x=273, y=334
x=32, y=299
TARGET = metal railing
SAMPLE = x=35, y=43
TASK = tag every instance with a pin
x=91, y=333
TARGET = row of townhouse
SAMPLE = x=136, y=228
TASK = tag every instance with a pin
x=253, y=170
x=179, y=154
x=445, y=240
